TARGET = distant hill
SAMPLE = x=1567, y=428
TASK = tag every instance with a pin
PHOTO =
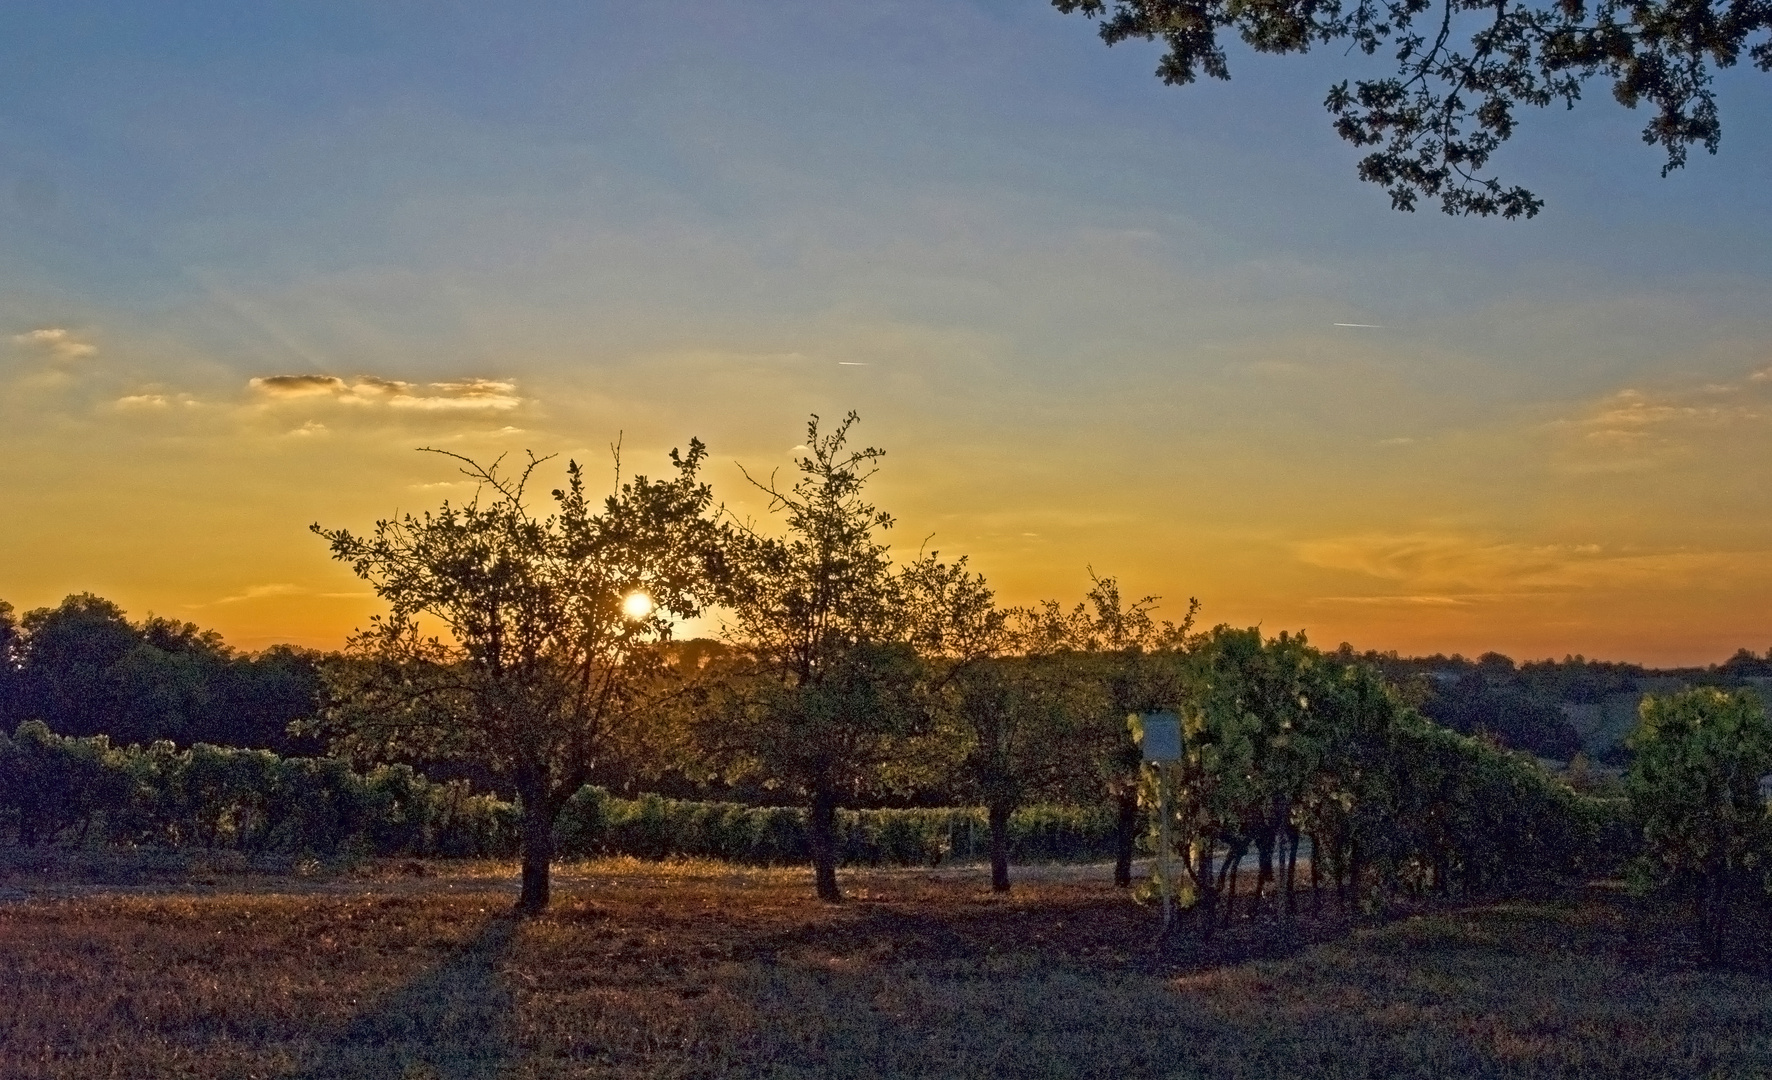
x=1552, y=708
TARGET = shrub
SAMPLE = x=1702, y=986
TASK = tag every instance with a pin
x=1694, y=786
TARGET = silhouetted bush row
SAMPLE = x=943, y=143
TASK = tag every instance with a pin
x=56, y=789
x=80, y=790
x=655, y=828
x=1437, y=812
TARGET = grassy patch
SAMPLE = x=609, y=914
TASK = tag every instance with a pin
x=701, y=970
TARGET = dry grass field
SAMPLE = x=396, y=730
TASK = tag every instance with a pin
x=707, y=971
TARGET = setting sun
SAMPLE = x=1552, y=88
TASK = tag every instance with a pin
x=637, y=605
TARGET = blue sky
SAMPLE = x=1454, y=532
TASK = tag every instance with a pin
x=1091, y=316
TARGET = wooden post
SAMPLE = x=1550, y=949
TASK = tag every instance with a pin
x=1163, y=846
x=1159, y=738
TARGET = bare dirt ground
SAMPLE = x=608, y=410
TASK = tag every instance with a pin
x=51, y=873
x=408, y=969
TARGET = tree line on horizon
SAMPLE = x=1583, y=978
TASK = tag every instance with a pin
x=847, y=677
x=84, y=668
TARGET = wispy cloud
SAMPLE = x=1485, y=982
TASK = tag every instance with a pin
x=1449, y=568
x=294, y=386
x=1634, y=416
x=154, y=400
x=1435, y=562
x=1398, y=601
x=57, y=342
x=1634, y=413
x=260, y=592
x=1636, y=429
x=279, y=589
x=367, y=390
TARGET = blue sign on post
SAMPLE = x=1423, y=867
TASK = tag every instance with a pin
x=1162, y=736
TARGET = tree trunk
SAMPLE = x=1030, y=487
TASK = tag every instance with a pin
x=538, y=837
x=1125, y=836
x=1233, y=862
x=1354, y=869
x=1316, y=874
x=823, y=829
x=1233, y=858
x=1289, y=853
x=1713, y=915
x=1264, y=874
x=1208, y=888
x=1231, y=869
x=999, y=814
x=538, y=855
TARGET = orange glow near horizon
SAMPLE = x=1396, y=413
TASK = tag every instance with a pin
x=1565, y=562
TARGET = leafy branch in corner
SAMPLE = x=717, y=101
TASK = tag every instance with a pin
x=1464, y=67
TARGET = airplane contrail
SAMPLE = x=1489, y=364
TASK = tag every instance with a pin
x=850, y=363
x=1360, y=325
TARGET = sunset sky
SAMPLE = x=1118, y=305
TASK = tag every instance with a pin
x=252, y=255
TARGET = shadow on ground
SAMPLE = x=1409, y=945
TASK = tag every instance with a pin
x=1093, y=930
x=1073, y=986
x=454, y=1023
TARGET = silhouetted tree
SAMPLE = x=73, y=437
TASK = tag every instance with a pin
x=828, y=700
x=84, y=669
x=11, y=660
x=547, y=663
x=72, y=676
x=1464, y=68
x=1018, y=707
x=261, y=695
x=1745, y=665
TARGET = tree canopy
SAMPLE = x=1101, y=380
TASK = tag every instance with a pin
x=84, y=668
x=828, y=703
x=1463, y=70
x=548, y=662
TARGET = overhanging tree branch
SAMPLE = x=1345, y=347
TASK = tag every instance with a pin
x=1441, y=116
